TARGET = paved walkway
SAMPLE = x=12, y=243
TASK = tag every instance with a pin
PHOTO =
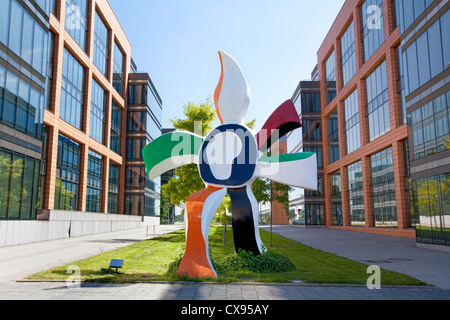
x=217, y=292
x=18, y=262
x=21, y=261
x=391, y=253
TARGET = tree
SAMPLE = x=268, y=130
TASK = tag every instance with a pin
x=267, y=191
x=187, y=179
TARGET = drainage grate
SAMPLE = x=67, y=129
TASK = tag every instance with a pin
x=378, y=261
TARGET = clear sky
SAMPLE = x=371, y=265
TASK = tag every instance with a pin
x=177, y=43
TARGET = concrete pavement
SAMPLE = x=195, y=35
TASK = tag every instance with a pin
x=231, y=292
x=390, y=253
x=18, y=262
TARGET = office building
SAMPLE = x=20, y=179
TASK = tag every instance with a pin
x=383, y=79
x=70, y=162
x=424, y=55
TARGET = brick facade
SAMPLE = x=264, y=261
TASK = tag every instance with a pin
x=56, y=126
x=351, y=11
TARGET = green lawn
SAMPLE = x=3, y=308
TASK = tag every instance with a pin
x=153, y=260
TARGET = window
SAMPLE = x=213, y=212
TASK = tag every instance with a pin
x=383, y=189
x=135, y=177
x=310, y=102
x=154, y=105
x=116, y=115
x=135, y=147
x=431, y=204
x=118, y=69
x=428, y=56
x=134, y=205
x=2, y=89
x=97, y=112
x=136, y=121
x=430, y=127
x=113, y=188
x=72, y=91
x=23, y=105
x=373, y=26
x=67, y=175
x=378, y=103
x=330, y=68
x=19, y=186
x=100, y=45
x=348, y=54
x=356, y=194
x=76, y=23
x=153, y=128
x=94, y=182
x=409, y=10
x=5, y=9
x=352, y=123
x=336, y=199
x=333, y=129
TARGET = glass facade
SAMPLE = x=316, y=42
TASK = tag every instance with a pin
x=100, y=44
x=116, y=119
x=72, y=91
x=113, y=188
x=314, y=214
x=94, y=182
x=356, y=195
x=383, y=189
x=378, y=103
x=97, y=112
x=428, y=56
x=430, y=127
x=336, y=199
x=409, y=11
x=19, y=186
x=373, y=26
x=310, y=102
x=23, y=35
x=352, y=123
x=118, y=69
x=330, y=67
x=21, y=105
x=76, y=21
x=431, y=207
x=67, y=175
x=348, y=54
x=333, y=129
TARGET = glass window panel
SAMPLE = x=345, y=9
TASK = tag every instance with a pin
x=445, y=26
x=16, y=187
x=435, y=47
x=27, y=38
x=412, y=69
x=9, y=110
x=15, y=32
x=76, y=20
x=100, y=44
x=423, y=59
x=5, y=7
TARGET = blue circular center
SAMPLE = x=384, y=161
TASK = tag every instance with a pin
x=230, y=162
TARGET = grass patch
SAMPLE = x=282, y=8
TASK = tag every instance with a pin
x=158, y=260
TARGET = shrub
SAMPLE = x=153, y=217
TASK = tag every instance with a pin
x=246, y=261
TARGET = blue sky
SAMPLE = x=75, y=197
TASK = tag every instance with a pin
x=177, y=43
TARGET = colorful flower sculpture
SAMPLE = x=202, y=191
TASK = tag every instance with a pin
x=230, y=159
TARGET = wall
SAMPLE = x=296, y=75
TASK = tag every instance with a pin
x=55, y=225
